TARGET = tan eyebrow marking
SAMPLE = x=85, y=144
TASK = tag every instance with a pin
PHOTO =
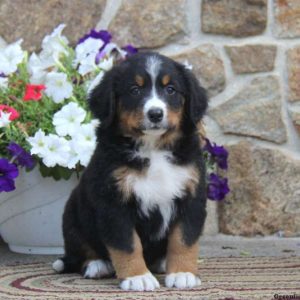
x=166, y=79
x=139, y=80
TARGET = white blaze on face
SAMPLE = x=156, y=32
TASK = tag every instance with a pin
x=153, y=66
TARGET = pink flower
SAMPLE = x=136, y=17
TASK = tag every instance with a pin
x=33, y=92
x=7, y=109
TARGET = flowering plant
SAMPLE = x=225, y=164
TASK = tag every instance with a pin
x=215, y=158
x=43, y=111
x=44, y=119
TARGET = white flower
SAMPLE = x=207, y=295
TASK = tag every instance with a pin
x=3, y=82
x=4, y=119
x=106, y=64
x=37, y=143
x=85, y=141
x=95, y=123
x=87, y=65
x=56, y=151
x=84, y=49
x=91, y=85
x=58, y=87
x=10, y=57
x=110, y=47
x=73, y=157
x=68, y=119
x=85, y=156
x=52, y=149
x=82, y=145
x=86, y=135
x=37, y=69
x=53, y=46
x=86, y=53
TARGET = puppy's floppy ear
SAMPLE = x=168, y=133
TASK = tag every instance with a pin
x=102, y=100
x=195, y=95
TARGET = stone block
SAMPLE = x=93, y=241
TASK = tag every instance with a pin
x=236, y=18
x=265, y=192
x=149, y=24
x=32, y=19
x=287, y=18
x=254, y=111
x=252, y=58
x=293, y=67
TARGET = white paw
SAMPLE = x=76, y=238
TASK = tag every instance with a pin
x=98, y=268
x=146, y=282
x=182, y=280
x=58, y=266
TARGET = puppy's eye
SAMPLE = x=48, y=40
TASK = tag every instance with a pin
x=170, y=90
x=135, y=91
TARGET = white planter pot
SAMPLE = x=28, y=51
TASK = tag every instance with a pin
x=31, y=216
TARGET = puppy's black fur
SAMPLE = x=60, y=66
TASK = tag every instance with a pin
x=96, y=216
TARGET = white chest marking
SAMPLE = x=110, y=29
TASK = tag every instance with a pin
x=160, y=185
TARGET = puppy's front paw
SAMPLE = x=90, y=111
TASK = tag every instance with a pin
x=98, y=268
x=182, y=280
x=146, y=282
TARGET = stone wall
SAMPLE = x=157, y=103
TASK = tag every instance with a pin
x=246, y=53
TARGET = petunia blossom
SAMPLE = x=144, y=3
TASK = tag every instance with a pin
x=103, y=35
x=68, y=119
x=56, y=151
x=58, y=87
x=37, y=143
x=87, y=65
x=4, y=119
x=8, y=172
x=130, y=50
x=37, y=69
x=14, y=114
x=86, y=55
x=82, y=145
x=20, y=155
x=10, y=57
x=106, y=64
x=218, y=154
x=33, y=92
x=111, y=47
x=217, y=187
x=73, y=155
x=53, y=46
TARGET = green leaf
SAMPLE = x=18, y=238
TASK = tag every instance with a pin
x=45, y=171
x=56, y=172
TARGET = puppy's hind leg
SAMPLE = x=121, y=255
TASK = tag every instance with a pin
x=67, y=264
x=75, y=252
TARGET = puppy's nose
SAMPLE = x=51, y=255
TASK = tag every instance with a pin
x=155, y=115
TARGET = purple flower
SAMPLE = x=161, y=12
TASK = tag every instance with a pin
x=217, y=187
x=22, y=157
x=8, y=172
x=103, y=35
x=2, y=75
x=130, y=50
x=218, y=153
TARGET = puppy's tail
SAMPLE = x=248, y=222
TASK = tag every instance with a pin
x=67, y=264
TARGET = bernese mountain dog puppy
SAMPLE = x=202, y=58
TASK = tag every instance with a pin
x=140, y=204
